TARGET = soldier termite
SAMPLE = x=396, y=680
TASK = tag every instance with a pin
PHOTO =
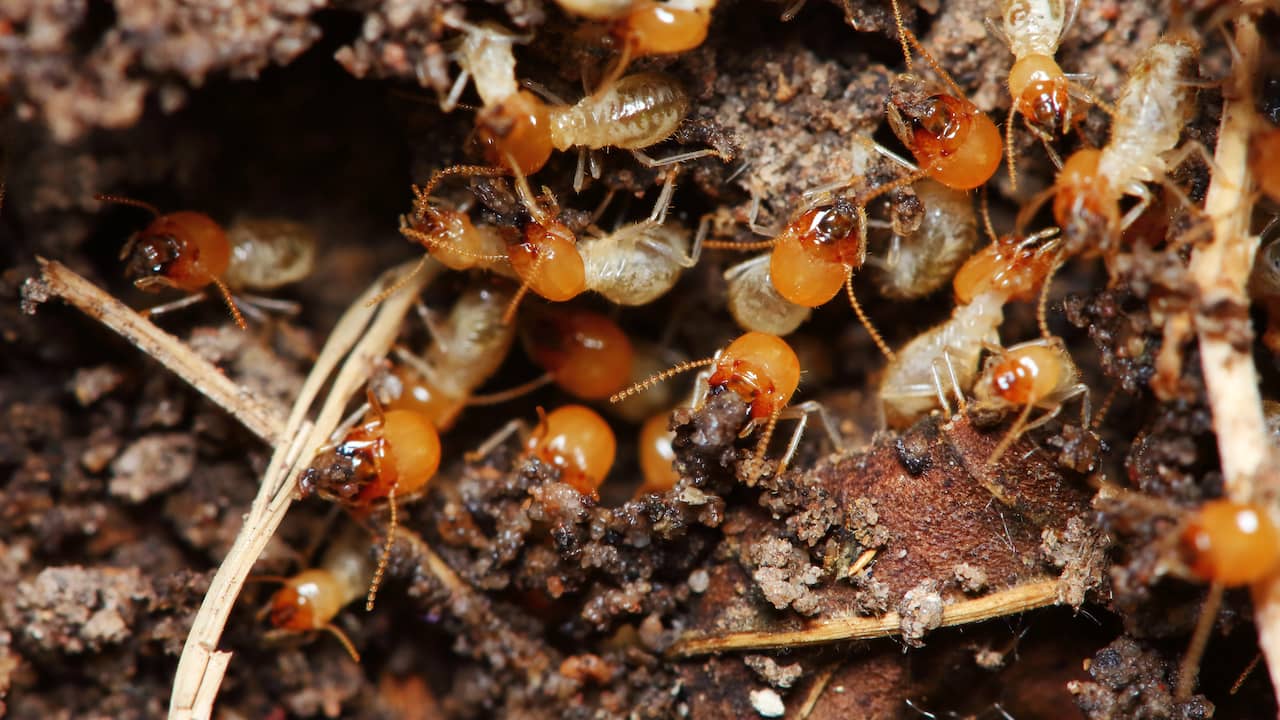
x=187, y=250
x=764, y=371
x=391, y=455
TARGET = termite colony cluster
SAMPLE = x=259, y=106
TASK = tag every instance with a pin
x=737, y=362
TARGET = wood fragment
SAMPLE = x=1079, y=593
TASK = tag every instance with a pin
x=63, y=282
x=1221, y=272
x=1017, y=599
x=362, y=336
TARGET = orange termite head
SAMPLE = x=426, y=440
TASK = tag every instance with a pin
x=1039, y=89
x=954, y=142
x=1024, y=375
x=308, y=601
x=814, y=254
x=398, y=449
x=184, y=250
x=579, y=442
x=663, y=28
x=547, y=260
x=1084, y=204
x=518, y=130
x=760, y=368
x=1013, y=266
x=586, y=353
x=1230, y=543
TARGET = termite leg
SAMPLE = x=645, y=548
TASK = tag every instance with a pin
x=515, y=426
x=647, y=161
x=802, y=412
x=174, y=305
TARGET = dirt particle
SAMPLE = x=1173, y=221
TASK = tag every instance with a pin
x=779, y=676
x=152, y=465
x=768, y=703
x=921, y=611
x=970, y=578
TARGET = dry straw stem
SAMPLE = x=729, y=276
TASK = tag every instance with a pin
x=1017, y=599
x=1221, y=270
x=362, y=336
x=60, y=281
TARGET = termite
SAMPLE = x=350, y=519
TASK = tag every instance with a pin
x=1264, y=287
x=579, y=442
x=485, y=55
x=631, y=113
x=583, y=352
x=1010, y=268
x=811, y=260
x=310, y=600
x=923, y=260
x=1041, y=92
x=466, y=348
x=640, y=262
x=647, y=27
x=1156, y=103
x=189, y=251
x=953, y=141
x=756, y=304
x=761, y=369
x=1226, y=544
x=633, y=265
x=1035, y=374
x=391, y=455
x=448, y=235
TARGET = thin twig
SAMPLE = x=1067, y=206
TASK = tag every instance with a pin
x=60, y=281
x=1017, y=599
x=362, y=336
x=1221, y=271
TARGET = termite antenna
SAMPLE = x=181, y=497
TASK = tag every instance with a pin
x=738, y=246
x=509, y=314
x=862, y=317
x=902, y=34
x=986, y=216
x=463, y=170
x=381, y=570
x=122, y=200
x=431, y=242
x=1105, y=407
x=399, y=283
x=1008, y=149
x=501, y=396
x=659, y=377
x=231, y=303
x=527, y=198
x=933, y=63
x=1032, y=207
x=1042, y=307
x=762, y=446
x=1190, y=669
x=342, y=638
x=1010, y=436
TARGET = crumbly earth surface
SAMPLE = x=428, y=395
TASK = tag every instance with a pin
x=509, y=593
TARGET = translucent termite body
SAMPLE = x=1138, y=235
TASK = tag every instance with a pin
x=485, y=56
x=267, y=253
x=947, y=355
x=466, y=350
x=755, y=303
x=1155, y=105
x=924, y=260
x=631, y=113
